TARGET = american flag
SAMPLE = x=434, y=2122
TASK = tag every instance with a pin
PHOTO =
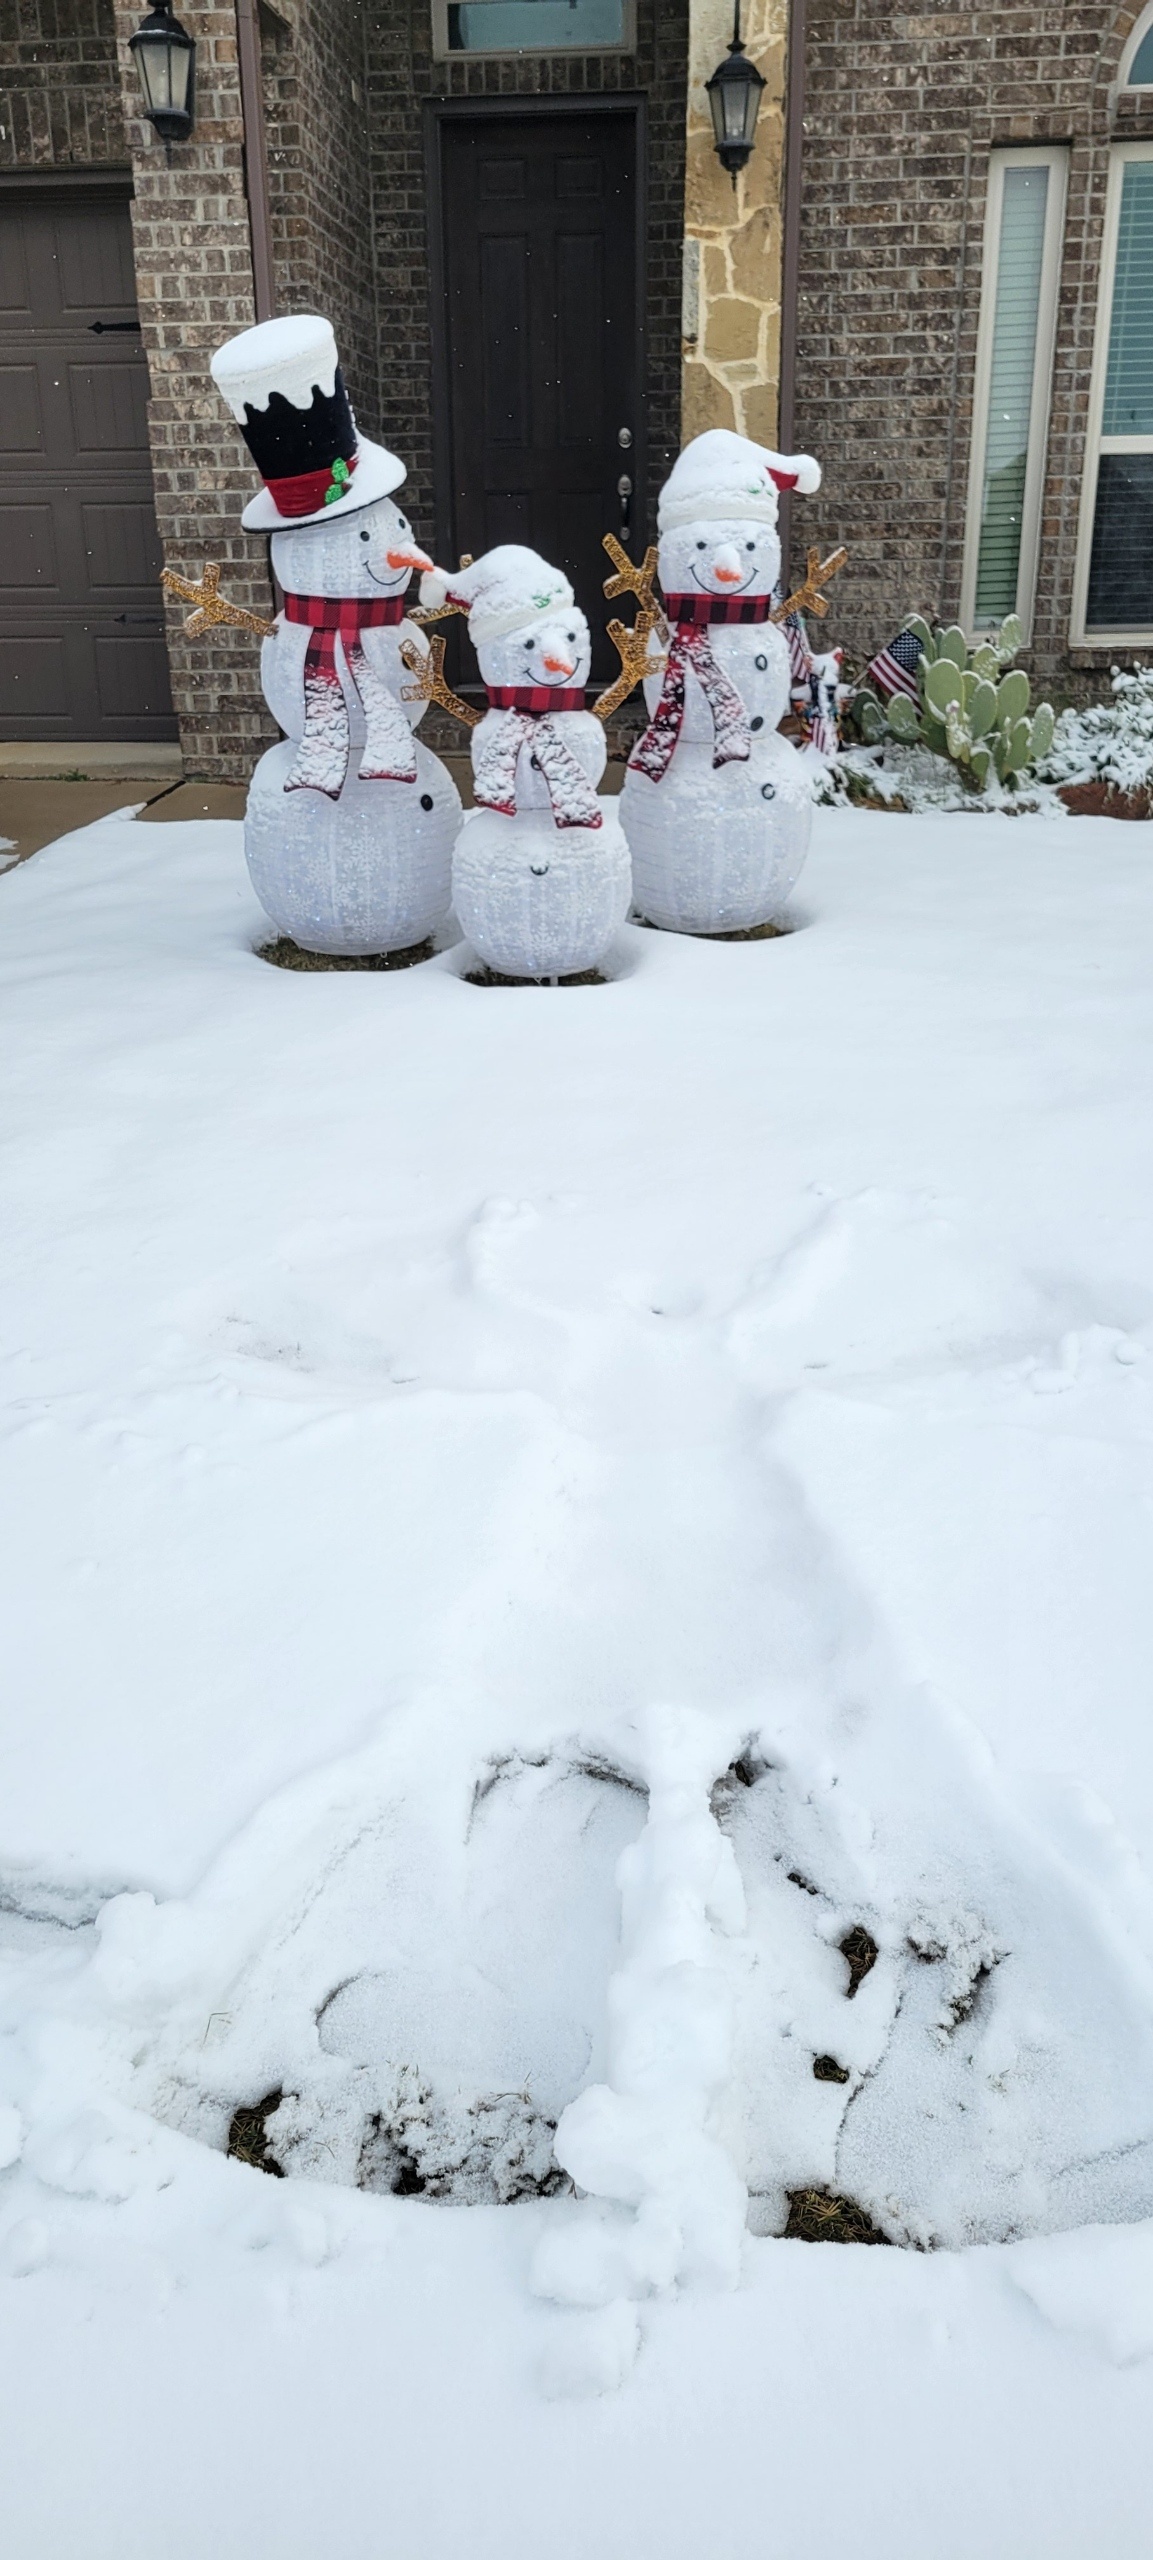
x=800, y=654
x=894, y=670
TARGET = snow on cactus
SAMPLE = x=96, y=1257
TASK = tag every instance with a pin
x=350, y=822
x=717, y=805
x=973, y=703
x=541, y=875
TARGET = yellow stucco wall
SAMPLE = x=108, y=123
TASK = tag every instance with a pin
x=732, y=299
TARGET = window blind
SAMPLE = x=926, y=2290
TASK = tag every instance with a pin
x=1128, y=407
x=1019, y=257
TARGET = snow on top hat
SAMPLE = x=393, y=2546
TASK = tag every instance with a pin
x=285, y=389
x=506, y=590
x=722, y=477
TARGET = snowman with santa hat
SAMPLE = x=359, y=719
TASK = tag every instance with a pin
x=717, y=807
x=540, y=874
x=350, y=822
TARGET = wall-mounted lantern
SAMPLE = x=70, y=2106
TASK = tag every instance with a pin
x=166, y=60
x=734, y=96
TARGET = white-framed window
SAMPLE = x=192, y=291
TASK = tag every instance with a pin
x=1113, y=587
x=1020, y=276
x=1137, y=59
x=532, y=26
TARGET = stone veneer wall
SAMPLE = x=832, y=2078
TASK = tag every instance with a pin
x=902, y=110
x=732, y=254
x=59, y=89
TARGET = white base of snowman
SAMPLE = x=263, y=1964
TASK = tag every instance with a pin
x=717, y=851
x=537, y=900
x=365, y=874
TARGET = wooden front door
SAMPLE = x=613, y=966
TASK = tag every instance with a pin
x=82, y=651
x=539, y=357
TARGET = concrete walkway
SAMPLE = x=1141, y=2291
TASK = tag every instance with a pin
x=33, y=813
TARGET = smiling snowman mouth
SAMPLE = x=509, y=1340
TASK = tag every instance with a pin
x=726, y=588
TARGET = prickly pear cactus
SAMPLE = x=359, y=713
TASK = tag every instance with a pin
x=974, y=703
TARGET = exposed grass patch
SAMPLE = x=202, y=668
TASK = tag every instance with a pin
x=815, y=2213
x=860, y=1953
x=286, y=954
x=827, y=2067
x=485, y=977
x=248, y=2136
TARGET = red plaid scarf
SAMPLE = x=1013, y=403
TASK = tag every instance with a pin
x=536, y=697
x=322, y=759
x=697, y=608
x=526, y=720
x=690, y=647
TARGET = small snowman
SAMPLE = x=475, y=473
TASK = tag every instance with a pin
x=540, y=874
x=717, y=806
x=350, y=822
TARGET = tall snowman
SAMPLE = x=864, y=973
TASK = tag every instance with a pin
x=716, y=805
x=540, y=874
x=350, y=822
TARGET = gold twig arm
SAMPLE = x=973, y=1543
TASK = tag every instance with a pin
x=631, y=581
x=430, y=685
x=212, y=609
x=807, y=598
x=633, y=651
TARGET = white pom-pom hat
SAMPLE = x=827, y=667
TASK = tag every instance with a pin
x=724, y=478
x=284, y=386
x=508, y=589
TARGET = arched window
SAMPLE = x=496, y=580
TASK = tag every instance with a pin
x=1137, y=60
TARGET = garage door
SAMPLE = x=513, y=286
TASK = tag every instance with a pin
x=82, y=650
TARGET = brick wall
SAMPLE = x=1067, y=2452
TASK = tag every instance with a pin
x=401, y=74
x=902, y=109
x=194, y=282
x=59, y=89
x=319, y=180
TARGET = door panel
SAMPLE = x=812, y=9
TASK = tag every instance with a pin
x=539, y=329
x=79, y=551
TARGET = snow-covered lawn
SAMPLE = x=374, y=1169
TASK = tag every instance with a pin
x=526, y=1518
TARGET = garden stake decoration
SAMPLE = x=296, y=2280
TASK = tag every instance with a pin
x=540, y=877
x=717, y=806
x=350, y=823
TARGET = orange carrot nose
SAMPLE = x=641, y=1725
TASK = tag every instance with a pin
x=558, y=666
x=730, y=577
x=410, y=559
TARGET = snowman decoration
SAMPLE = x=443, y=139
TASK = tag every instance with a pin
x=540, y=874
x=717, y=806
x=350, y=822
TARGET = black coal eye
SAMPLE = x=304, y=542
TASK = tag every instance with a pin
x=701, y=546
x=366, y=537
x=528, y=644
x=571, y=636
x=750, y=546
x=401, y=525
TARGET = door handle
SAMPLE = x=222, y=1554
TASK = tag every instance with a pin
x=624, y=493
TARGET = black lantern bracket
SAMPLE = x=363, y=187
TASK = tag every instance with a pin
x=165, y=57
x=734, y=96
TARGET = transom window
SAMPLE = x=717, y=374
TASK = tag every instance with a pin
x=1019, y=281
x=1114, y=587
x=1138, y=71
x=532, y=26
